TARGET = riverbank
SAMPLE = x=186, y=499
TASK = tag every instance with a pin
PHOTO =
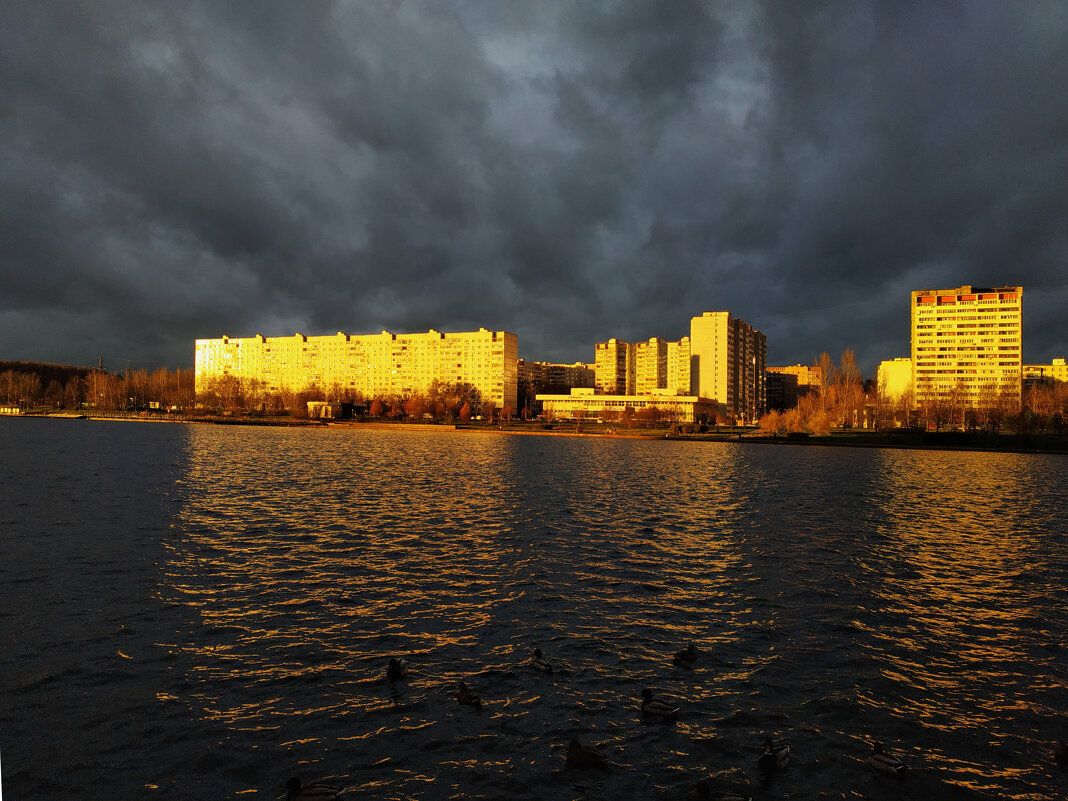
x=920, y=440
x=897, y=439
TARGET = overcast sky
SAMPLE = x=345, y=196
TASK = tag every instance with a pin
x=569, y=171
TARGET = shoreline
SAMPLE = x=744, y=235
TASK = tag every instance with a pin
x=926, y=441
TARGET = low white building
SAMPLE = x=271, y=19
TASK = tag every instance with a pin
x=586, y=404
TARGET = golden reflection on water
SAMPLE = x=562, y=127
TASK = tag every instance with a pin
x=305, y=562
x=952, y=533
x=286, y=555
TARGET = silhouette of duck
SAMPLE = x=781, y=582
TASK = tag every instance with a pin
x=658, y=709
x=583, y=758
x=687, y=656
x=468, y=697
x=776, y=756
x=538, y=662
x=316, y=791
x=887, y=763
x=704, y=791
x=398, y=669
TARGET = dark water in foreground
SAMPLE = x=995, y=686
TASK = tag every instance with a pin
x=199, y=612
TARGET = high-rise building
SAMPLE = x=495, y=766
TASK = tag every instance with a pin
x=654, y=367
x=374, y=365
x=614, y=366
x=650, y=366
x=727, y=364
x=678, y=367
x=966, y=344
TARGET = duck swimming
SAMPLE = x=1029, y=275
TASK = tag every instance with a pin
x=398, y=669
x=583, y=758
x=658, y=709
x=687, y=656
x=468, y=697
x=539, y=663
x=884, y=762
x=776, y=756
x=316, y=791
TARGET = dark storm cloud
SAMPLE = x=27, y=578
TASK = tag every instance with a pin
x=567, y=171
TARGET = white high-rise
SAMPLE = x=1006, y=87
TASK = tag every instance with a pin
x=966, y=344
x=728, y=357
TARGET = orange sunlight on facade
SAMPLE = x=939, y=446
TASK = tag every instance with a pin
x=966, y=342
x=375, y=365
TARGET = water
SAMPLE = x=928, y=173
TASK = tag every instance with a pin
x=193, y=612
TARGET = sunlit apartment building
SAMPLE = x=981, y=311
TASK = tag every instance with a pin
x=374, y=365
x=722, y=360
x=540, y=375
x=614, y=365
x=1056, y=372
x=654, y=366
x=678, y=367
x=650, y=366
x=809, y=377
x=894, y=378
x=728, y=358
x=966, y=343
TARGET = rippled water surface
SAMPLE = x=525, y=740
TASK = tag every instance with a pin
x=194, y=612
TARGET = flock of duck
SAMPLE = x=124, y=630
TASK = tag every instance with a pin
x=775, y=756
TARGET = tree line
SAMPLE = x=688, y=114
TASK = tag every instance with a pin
x=844, y=399
x=56, y=386
x=837, y=402
x=441, y=401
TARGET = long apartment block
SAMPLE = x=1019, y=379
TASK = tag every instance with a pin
x=375, y=365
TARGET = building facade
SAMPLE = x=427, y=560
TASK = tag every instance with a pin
x=587, y=405
x=654, y=366
x=550, y=377
x=678, y=367
x=894, y=378
x=650, y=366
x=966, y=344
x=809, y=377
x=614, y=364
x=1054, y=373
x=541, y=375
x=375, y=365
x=728, y=360
x=781, y=391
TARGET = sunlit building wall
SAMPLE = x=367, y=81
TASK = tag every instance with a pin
x=966, y=343
x=809, y=377
x=894, y=378
x=1046, y=373
x=615, y=367
x=577, y=374
x=678, y=367
x=381, y=365
x=650, y=366
x=586, y=404
x=727, y=365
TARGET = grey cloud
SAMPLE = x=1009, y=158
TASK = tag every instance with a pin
x=568, y=171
